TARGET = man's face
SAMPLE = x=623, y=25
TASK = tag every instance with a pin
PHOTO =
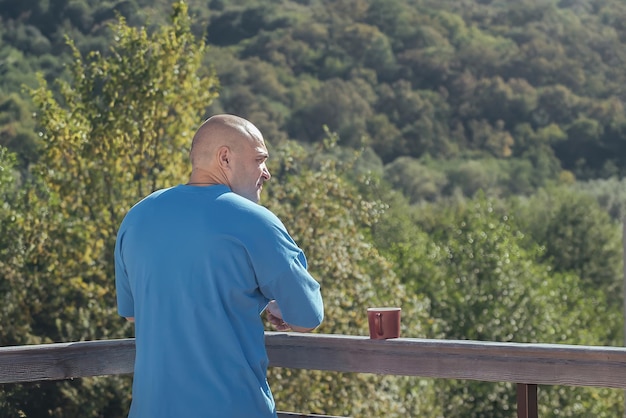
x=249, y=171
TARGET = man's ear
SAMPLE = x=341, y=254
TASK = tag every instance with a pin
x=223, y=156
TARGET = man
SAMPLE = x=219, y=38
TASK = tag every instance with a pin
x=195, y=266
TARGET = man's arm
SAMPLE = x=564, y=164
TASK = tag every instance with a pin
x=300, y=329
x=275, y=317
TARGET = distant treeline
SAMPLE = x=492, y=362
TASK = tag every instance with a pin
x=536, y=85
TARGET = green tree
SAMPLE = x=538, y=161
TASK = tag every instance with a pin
x=578, y=237
x=419, y=115
x=609, y=193
x=330, y=220
x=473, y=176
x=488, y=280
x=343, y=106
x=17, y=129
x=15, y=327
x=415, y=180
x=494, y=99
x=119, y=129
x=369, y=48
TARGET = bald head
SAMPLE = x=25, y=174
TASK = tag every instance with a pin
x=225, y=148
x=221, y=131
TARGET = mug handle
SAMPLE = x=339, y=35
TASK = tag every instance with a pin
x=378, y=321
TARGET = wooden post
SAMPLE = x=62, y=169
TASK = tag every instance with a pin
x=526, y=401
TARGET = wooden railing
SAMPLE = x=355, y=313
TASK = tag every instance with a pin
x=527, y=365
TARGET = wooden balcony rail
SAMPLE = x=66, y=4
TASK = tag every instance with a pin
x=528, y=365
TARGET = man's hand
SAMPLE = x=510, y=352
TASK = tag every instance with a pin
x=275, y=316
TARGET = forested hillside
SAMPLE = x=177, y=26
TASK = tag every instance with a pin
x=537, y=86
x=462, y=159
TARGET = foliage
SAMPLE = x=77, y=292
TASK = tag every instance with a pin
x=487, y=279
x=417, y=181
x=330, y=220
x=609, y=193
x=15, y=326
x=119, y=130
x=416, y=78
x=432, y=180
x=17, y=129
x=578, y=237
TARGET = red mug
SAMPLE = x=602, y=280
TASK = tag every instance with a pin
x=384, y=323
